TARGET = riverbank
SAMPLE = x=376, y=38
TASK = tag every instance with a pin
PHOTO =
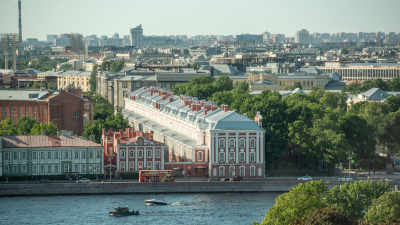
x=145, y=188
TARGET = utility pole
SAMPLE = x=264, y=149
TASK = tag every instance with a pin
x=349, y=165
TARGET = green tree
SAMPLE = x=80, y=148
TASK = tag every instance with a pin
x=393, y=102
x=66, y=66
x=300, y=201
x=105, y=66
x=344, y=51
x=117, y=66
x=34, y=84
x=81, y=69
x=241, y=88
x=92, y=80
x=383, y=207
x=25, y=123
x=8, y=126
x=326, y=216
x=50, y=128
x=102, y=108
x=70, y=86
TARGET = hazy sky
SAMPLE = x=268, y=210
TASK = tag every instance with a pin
x=173, y=17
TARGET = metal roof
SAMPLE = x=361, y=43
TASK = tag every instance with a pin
x=24, y=141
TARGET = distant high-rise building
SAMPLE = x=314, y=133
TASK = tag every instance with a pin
x=250, y=38
x=302, y=37
x=115, y=36
x=136, y=36
x=51, y=37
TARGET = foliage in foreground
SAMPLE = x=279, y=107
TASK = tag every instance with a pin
x=28, y=125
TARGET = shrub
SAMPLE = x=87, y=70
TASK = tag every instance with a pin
x=129, y=175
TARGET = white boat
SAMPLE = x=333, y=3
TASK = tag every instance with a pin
x=155, y=202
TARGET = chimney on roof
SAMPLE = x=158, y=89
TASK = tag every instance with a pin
x=205, y=111
x=93, y=137
x=43, y=132
x=245, y=114
x=193, y=106
x=234, y=110
x=133, y=133
x=223, y=107
x=121, y=132
x=171, y=99
x=144, y=88
x=139, y=97
x=190, y=103
x=110, y=130
x=226, y=108
x=48, y=92
x=164, y=97
x=151, y=135
x=198, y=107
x=133, y=98
x=213, y=107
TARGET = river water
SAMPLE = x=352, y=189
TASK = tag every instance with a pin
x=221, y=208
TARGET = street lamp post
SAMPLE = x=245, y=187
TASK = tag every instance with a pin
x=231, y=160
x=110, y=159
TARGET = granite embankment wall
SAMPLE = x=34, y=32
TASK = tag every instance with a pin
x=143, y=188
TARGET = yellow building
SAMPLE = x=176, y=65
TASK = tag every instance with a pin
x=69, y=77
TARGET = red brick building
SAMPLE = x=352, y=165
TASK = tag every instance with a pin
x=132, y=151
x=65, y=108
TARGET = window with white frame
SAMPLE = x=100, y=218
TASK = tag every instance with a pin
x=221, y=143
x=42, y=168
x=122, y=166
x=90, y=168
x=140, y=153
x=5, y=155
x=23, y=155
x=66, y=168
x=222, y=156
x=131, y=166
x=83, y=168
x=49, y=168
x=33, y=155
x=242, y=143
x=83, y=154
x=55, y=155
x=231, y=156
x=140, y=141
x=242, y=157
x=158, y=165
x=4, y=113
x=23, y=169
x=149, y=165
x=41, y=155
x=98, y=154
x=252, y=157
x=252, y=171
x=15, y=169
x=26, y=111
x=34, y=113
x=252, y=143
x=242, y=172
x=148, y=153
x=90, y=154
x=19, y=112
x=140, y=165
x=76, y=168
x=48, y=155
x=158, y=153
x=97, y=168
x=131, y=153
x=199, y=156
x=76, y=155
x=222, y=171
x=15, y=155
x=56, y=169
x=34, y=169
x=65, y=155
x=43, y=111
x=231, y=143
x=76, y=114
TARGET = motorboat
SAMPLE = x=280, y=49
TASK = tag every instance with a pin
x=123, y=211
x=155, y=202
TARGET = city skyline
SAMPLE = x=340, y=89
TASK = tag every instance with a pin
x=206, y=18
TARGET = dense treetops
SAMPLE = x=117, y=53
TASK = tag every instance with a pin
x=42, y=63
x=28, y=125
x=390, y=85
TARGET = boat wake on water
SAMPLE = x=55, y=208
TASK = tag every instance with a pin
x=177, y=203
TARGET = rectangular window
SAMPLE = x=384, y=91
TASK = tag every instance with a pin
x=122, y=154
x=90, y=168
x=221, y=143
x=5, y=155
x=221, y=156
x=140, y=154
x=55, y=168
x=23, y=155
x=49, y=168
x=242, y=171
x=137, y=84
x=122, y=166
x=130, y=154
x=66, y=168
x=15, y=155
x=83, y=168
x=12, y=114
x=98, y=168
x=158, y=155
x=65, y=155
x=242, y=143
x=312, y=83
x=76, y=168
x=252, y=157
x=221, y=171
x=199, y=156
x=252, y=171
x=5, y=169
x=55, y=155
x=242, y=157
x=34, y=169
x=304, y=83
x=124, y=85
x=158, y=165
x=42, y=169
x=149, y=165
x=252, y=143
x=231, y=156
x=308, y=83
x=76, y=114
x=26, y=111
x=4, y=113
x=15, y=169
x=48, y=155
x=23, y=170
x=231, y=143
x=34, y=113
x=90, y=154
x=19, y=112
x=41, y=155
x=130, y=166
x=148, y=153
x=76, y=155
x=140, y=165
x=43, y=111
x=97, y=154
x=83, y=155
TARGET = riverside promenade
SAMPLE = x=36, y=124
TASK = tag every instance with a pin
x=146, y=188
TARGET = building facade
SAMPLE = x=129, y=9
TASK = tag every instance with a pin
x=132, y=150
x=78, y=79
x=201, y=139
x=302, y=37
x=65, y=108
x=49, y=155
x=136, y=36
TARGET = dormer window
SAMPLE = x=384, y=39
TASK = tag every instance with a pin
x=140, y=141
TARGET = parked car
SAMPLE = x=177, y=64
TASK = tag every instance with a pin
x=237, y=178
x=345, y=178
x=83, y=180
x=397, y=162
x=44, y=180
x=225, y=179
x=306, y=178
